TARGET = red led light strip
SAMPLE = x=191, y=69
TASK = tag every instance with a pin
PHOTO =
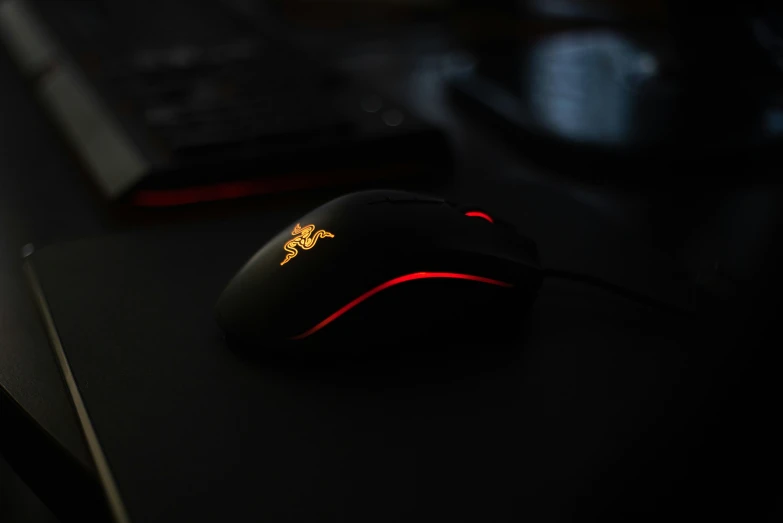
x=225, y=191
x=479, y=214
x=391, y=283
x=244, y=188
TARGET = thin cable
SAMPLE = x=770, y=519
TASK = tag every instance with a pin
x=628, y=294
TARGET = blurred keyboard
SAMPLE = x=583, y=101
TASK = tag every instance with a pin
x=200, y=101
x=172, y=102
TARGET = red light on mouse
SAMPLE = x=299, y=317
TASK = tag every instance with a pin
x=391, y=283
x=479, y=214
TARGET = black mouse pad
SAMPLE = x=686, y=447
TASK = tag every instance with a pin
x=576, y=420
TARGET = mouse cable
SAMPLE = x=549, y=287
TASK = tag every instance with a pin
x=628, y=294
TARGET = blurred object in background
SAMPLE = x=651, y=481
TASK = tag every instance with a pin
x=624, y=77
x=170, y=102
x=642, y=10
x=336, y=14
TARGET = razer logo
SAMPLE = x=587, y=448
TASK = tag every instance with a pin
x=303, y=238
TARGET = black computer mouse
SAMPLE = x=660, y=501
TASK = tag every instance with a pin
x=383, y=265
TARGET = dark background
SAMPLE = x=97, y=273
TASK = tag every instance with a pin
x=683, y=159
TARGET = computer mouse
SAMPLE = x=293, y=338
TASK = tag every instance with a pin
x=384, y=265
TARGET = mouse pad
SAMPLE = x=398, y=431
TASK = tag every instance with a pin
x=575, y=420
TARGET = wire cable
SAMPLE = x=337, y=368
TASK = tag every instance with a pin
x=626, y=293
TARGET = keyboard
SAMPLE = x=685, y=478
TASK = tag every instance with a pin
x=172, y=102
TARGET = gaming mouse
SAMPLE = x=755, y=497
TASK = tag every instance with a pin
x=383, y=265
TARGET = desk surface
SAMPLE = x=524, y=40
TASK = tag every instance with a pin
x=195, y=431
x=45, y=199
